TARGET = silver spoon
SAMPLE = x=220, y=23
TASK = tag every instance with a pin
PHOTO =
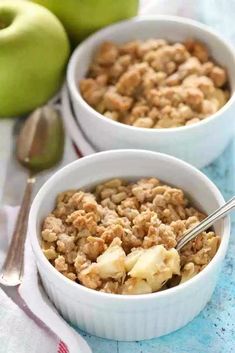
x=206, y=223
x=200, y=227
x=39, y=146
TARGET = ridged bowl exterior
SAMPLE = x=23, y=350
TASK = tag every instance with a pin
x=128, y=322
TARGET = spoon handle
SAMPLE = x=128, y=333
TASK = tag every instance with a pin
x=206, y=223
x=11, y=273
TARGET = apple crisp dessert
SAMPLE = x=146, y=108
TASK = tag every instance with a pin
x=154, y=83
x=121, y=237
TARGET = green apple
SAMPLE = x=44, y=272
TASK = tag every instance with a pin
x=34, y=50
x=82, y=17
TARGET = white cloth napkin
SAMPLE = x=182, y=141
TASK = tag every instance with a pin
x=19, y=333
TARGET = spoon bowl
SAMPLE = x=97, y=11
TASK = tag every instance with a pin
x=41, y=140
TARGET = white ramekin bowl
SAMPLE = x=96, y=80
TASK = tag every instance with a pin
x=123, y=317
x=198, y=144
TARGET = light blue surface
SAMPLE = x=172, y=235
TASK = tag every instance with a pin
x=213, y=331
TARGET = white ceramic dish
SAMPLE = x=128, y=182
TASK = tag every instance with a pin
x=198, y=144
x=123, y=317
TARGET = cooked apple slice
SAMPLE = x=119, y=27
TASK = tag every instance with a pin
x=136, y=286
x=132, y=258
x=156, y=265
x=157, y=281
x=172, y=261
x=149, y=263
x=111, y=264
x=188, y=272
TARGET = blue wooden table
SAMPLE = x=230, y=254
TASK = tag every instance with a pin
x=213, y=331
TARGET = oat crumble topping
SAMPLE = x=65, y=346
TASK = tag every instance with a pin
x=121, y=237
x=155, y=84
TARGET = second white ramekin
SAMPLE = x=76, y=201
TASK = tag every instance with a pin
x=123, y=317
x=198, y=144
